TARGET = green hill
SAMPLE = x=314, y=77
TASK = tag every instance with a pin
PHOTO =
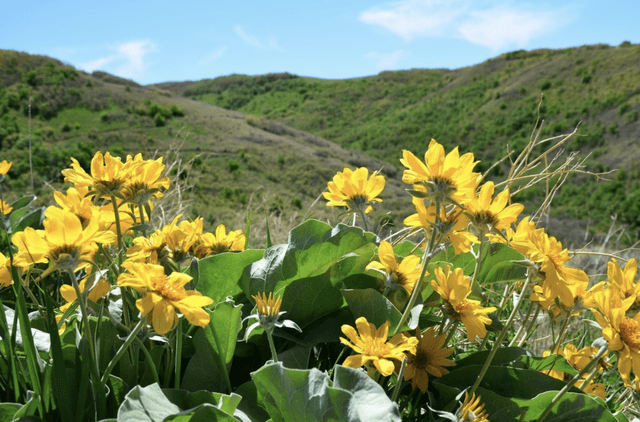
x=229, y=164
x=482, y=108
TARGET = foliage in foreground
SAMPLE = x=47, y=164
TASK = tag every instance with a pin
x=106, y=318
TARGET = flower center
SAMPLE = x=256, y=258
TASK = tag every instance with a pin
x=375, y=347
x=629, y=332
x=420, y=360
x=170, y=292
x=485, y=218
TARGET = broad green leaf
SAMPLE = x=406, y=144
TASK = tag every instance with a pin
x=504, y=381
x=502, y=356
x=7, y=410
x=551, y=362
x=307, y=299
x=372, y=305
x=497, y=264
x=221, y=335
x=187, y=400
x=296, y=357
x=291, y=395
x=32, y=219
x=23, y=202
x=466, y=261
x=313, y=248
x=325, y=329
x=202, y=413
x=249, y=403
x=219, y=274
x=202, y=372
x=30, y=407
x=572, y=407
x=146, y=404
x=404, y=249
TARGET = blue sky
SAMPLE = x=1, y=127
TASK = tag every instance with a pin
x=163, y=41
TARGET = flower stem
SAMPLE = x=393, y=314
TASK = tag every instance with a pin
x=417, y=290
x=496, y=345
x=274, y=355
x=132, y=335
x=396, y=390
x=570, y=384
x=178, y=355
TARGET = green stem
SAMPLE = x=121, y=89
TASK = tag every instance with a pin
x=570, y=384
x=521, y=329
x=82, y=301
x=178, y=355
x=274, y=355
x=144, y=231
x=452, y=331
x=529, y=329
x=478, y=265
x=123, y=349
x=496, y=345
x=396, y=390
x=147, y=355
x=417, y=290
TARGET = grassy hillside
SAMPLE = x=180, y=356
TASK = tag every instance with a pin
x=231, y=165
x=482, y=108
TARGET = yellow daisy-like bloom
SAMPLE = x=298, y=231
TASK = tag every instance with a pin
x=403, y=275
x=454, y=288
x=441, y=178
x=548, y=253
x=621, y=281
x=159, y=246
x=163, y=295
x=373, y=348
x=5, y=166
x=429, y=358
x=268, y=307
x=354, y=189
x=472, y=410
x=578, y=359
x=6, y=278
x=63, y=241
x=489, y=215
x=97, y=291
x=451, y=224
x=620, y=331
x=145, y=182
x=5, y=208
x=108, y=175
x=220, y=242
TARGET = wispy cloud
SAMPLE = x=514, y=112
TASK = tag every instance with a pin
x=127, y=60
x=271, y=43
x=215, y=55
x=386, y=61
x=496, y=24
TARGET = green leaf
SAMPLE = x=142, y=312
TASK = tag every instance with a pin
x=23, y=202
x=221, y=335
x=202, y=372
x=249, y=403
x=504, y=381
x=219, y=274
x=32, y=219
x=203, y=413
x=497, y=264
x=146, y=404
x=555, y=362
x=308, y=299
x=291, y=395
x=187, y=400
x=313, y=248
x=572, y=407
x=372, y=305
x=7, y=410
x=502, y=356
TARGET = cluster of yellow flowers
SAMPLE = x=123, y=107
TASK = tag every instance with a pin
x=452, y=208
x=101, y=207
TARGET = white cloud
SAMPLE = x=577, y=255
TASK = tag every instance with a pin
x=501, y=27
x=494, y=24
x=386, y=61
x=272, y=43
x=128, y=59
x=410, y=19
x=215, y=55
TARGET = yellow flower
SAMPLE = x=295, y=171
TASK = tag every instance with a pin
x=6, y=279
x=452, y=225
x=578, y=359
x=441, y=178
x=373, y=348
x=97, y=290
x=145, y=182
x=5, y=208
x=548, y=253
x=269, y=314
x=354, y=189
x=162, y=245
x=5, y=166
x=472, y=410
x=163, y=295
x=108, y=175
x=403, y=275
x=621, y=281
x=489, y=216
x=454, y=288
x=620, y=331
x=220, y=242
x=63, y=241
x=429, y=358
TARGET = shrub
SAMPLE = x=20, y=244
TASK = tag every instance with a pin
x=159, y=120
x=233, y=165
